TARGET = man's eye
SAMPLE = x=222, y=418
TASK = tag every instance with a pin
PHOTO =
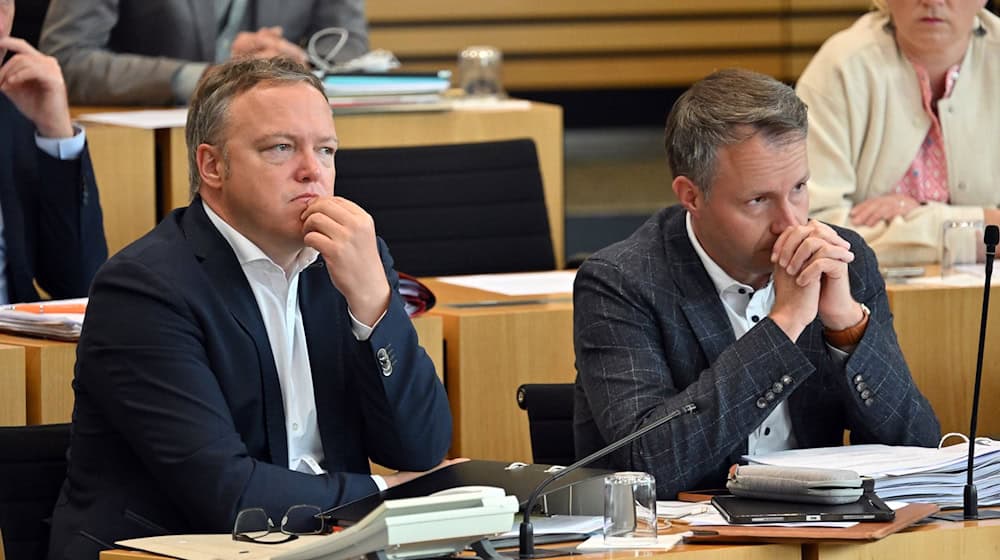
x=281, y=147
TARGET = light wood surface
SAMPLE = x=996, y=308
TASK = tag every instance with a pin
x=49, y=376
x=429, y=334
x=540, y=122
x=492, y=350
x=591, y=44
x=969, y=540
x=680, y=552
x=938, y=330
x=125, y=169
x=12, y=386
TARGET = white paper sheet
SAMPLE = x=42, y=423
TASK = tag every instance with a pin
x=518, y=284
x=150, y=119
x=663, y=542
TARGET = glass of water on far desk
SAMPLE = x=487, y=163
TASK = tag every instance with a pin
x=962, y=243
x=629, y=509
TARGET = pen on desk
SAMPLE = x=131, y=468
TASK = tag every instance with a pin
x=46, y=307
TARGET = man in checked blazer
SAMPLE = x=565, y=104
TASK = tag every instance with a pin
x=776, y=327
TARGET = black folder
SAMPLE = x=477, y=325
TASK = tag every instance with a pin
x=518, y=481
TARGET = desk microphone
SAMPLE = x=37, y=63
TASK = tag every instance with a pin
x=526, y=548
x=970, y=499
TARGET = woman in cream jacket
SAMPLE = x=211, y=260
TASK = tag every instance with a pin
x=905, y=124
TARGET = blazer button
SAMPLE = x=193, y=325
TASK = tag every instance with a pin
x=777, y=387
x=866, y=394
x=858, y=379
x=786, y=379
x=861, y=387
x=769, y=396
x=384, y=362
x=869, y=402
x=761, y=403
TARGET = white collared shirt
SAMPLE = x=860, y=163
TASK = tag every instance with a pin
x=277, y=298
x=745, y=307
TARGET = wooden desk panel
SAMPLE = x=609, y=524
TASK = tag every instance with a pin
x=490, y=351
x=125, y=169
x=12, y=386
x=969, y=540
x=49, y=376
x=938, y=330
x=541, y=122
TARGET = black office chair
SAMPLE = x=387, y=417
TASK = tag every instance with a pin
x=550, y=421
x=28, y=19
x=453, y=209
x=32, y=470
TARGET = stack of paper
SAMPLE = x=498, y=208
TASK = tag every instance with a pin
x=912, y=474
x=366, y=92
x=44, y=319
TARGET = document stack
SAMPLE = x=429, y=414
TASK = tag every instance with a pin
x=359, y=92
x=58, y=319
x=908, y=474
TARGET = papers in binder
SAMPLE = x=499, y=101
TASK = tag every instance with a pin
x=337, y=85
x=417, y=297
x=911, y=474
x=60, y=326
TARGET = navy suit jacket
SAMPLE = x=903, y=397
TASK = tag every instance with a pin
x=52, y=224
x=652, y=335
x=179, y=423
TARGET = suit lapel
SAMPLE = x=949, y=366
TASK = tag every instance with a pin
x=203, y=12
x=220, y=264
x=323, y=324
x=699, y=300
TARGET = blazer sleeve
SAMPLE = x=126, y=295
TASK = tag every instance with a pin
x=142, y=361
x=69, y=225
x=77, y=33
x=407, y=422
x=621, y=356
x=881, y=400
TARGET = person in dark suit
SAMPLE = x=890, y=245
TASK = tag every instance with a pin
x=152, y=52
x=50, y=216
x=253, y=349
x=777, y=328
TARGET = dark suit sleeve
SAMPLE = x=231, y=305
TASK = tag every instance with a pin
x=882, y=403
x=407, y=421
x=69, y=226
x=143, y=364
x=621, y=358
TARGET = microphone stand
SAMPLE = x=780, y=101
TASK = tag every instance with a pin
x=970, y=496
x=526, y=540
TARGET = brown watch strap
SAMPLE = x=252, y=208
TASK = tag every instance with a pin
x=849, y=336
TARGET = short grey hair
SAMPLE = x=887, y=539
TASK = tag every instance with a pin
x=219, y=85
x=725, y=108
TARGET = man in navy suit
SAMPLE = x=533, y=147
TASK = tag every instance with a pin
x=253, y=349
x=776, y=327
x=50, y=216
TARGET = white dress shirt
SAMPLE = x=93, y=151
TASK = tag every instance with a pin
x=745, y=307
x=277, y=295
x=59, y=148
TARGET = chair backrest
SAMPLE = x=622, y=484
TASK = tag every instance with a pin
x=550, y=421
x=28, y=18
x=453, y=209
x=32, y=470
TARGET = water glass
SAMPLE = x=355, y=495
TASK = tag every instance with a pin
x=629, y=508
x=961, y=242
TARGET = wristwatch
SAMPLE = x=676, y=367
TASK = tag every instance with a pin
x=851, y=335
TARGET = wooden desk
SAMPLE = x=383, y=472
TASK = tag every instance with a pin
x=938, y=330
x=489, y=352
x=12, y=386
x=124, y=162
x=48, y=377
x=541, y=122
x=680, y=552
x=969, y=540
x=42, y=380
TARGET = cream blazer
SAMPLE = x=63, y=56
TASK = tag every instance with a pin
x=867, y=121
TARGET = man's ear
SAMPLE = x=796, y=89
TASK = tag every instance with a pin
x=211, y=166
x=688, y=194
